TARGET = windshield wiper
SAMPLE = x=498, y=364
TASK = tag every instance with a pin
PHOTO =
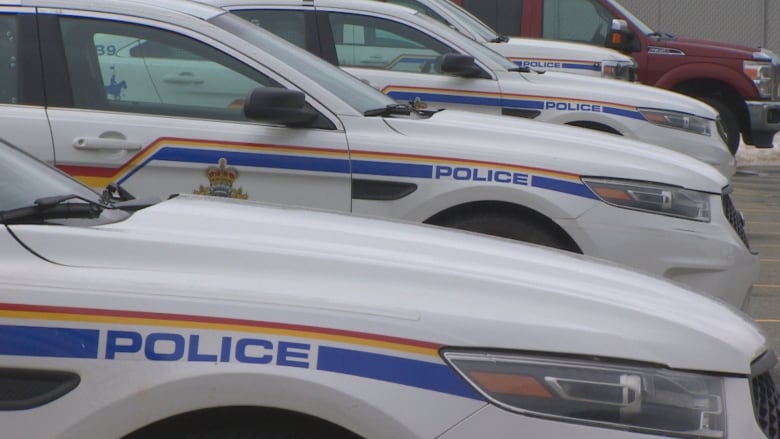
x=500, y=39
x=54, y=207
x=389, y=110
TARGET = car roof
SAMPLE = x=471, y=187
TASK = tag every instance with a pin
x=359, y=5
x=150, y=8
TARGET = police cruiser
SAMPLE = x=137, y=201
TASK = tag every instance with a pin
x=416, y=59
x=535, y=53
x=203, y=317
x=200, y=101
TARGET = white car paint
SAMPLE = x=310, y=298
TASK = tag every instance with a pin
x=403, y=63
x=551, y=55
x=419, y=167
x=214, y=314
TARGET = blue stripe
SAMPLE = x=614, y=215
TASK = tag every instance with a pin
x=253, y=159
x=567, y=187
x=402, y=96
x=415, y=373
x=592, y=67
x=405, y=96
x=392, y=169
x=524, y=104
x=625, y=113
x=49, y=342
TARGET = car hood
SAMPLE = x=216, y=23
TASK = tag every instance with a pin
x=419, y=282
x=551, y=49
x=707, y=48
x=602, y=90
x=578, y=151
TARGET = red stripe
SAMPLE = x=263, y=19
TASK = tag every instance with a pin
x=213, y=320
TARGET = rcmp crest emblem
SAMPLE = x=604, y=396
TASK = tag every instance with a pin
x=221, y=179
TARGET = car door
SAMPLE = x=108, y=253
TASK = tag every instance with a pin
x=405, y=63
x=393, y=57
x=160, y=112
x=23, y=120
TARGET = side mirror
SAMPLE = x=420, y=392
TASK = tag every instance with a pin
x=278, y=105
x=620, y=37
x=461, y=65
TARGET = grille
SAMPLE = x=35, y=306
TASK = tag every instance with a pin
x=735, y=218
x=766, y=404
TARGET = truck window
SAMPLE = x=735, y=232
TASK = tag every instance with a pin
x=583, y=21
x=503, y=16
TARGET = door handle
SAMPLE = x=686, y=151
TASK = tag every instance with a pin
x=100, y=143
x=183, y=78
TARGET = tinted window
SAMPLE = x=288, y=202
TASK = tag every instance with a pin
x=371, y=42
x=117, y=66
x=584, y=21
x=504, y=16
x=9, y=81
x=290, y=25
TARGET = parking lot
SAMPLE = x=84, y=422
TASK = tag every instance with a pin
x=757, y=194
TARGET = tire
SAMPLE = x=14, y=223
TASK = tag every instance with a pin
x=730, y=123
x=268, y=433
x=242, y=423
x=509, y=226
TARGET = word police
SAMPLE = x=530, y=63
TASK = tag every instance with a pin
x=163, y=346
x=476, y=174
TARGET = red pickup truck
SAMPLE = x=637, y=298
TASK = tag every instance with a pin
x=742, y=83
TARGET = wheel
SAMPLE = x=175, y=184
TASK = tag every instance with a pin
x=268, y=433
x=241, y=423
x=729, y=121
x=508, y=226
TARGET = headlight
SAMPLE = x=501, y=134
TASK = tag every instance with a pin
x=680, y=121
x=625, y=70
x=653, y=198
x=762, y=74
x=644, y=399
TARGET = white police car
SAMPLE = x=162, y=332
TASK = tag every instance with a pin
x=165, y=110
x=535, y=53
x=202, y=317
x=416, y=59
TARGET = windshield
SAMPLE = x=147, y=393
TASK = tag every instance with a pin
x=356, y=93
x=474, y=23
x=24, y=179
x=645, y=29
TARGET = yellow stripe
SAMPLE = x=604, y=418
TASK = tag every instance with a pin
x=140, y=321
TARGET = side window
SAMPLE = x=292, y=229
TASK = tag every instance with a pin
x=9, y=80
x=372, y=42
x=584, y=21
x=504, y=16
x=117, y=66
x=417, y=6
x=290, y=25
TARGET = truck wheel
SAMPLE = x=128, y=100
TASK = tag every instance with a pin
x=506, y=226
x=730, y=123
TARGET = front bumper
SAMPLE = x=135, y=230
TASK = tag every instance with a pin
x=764, y=122
x=492, y=421
x=708, y=257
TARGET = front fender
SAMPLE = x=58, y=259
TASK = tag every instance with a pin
x=698, y=71
x=547, y=203
x=329, y=402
